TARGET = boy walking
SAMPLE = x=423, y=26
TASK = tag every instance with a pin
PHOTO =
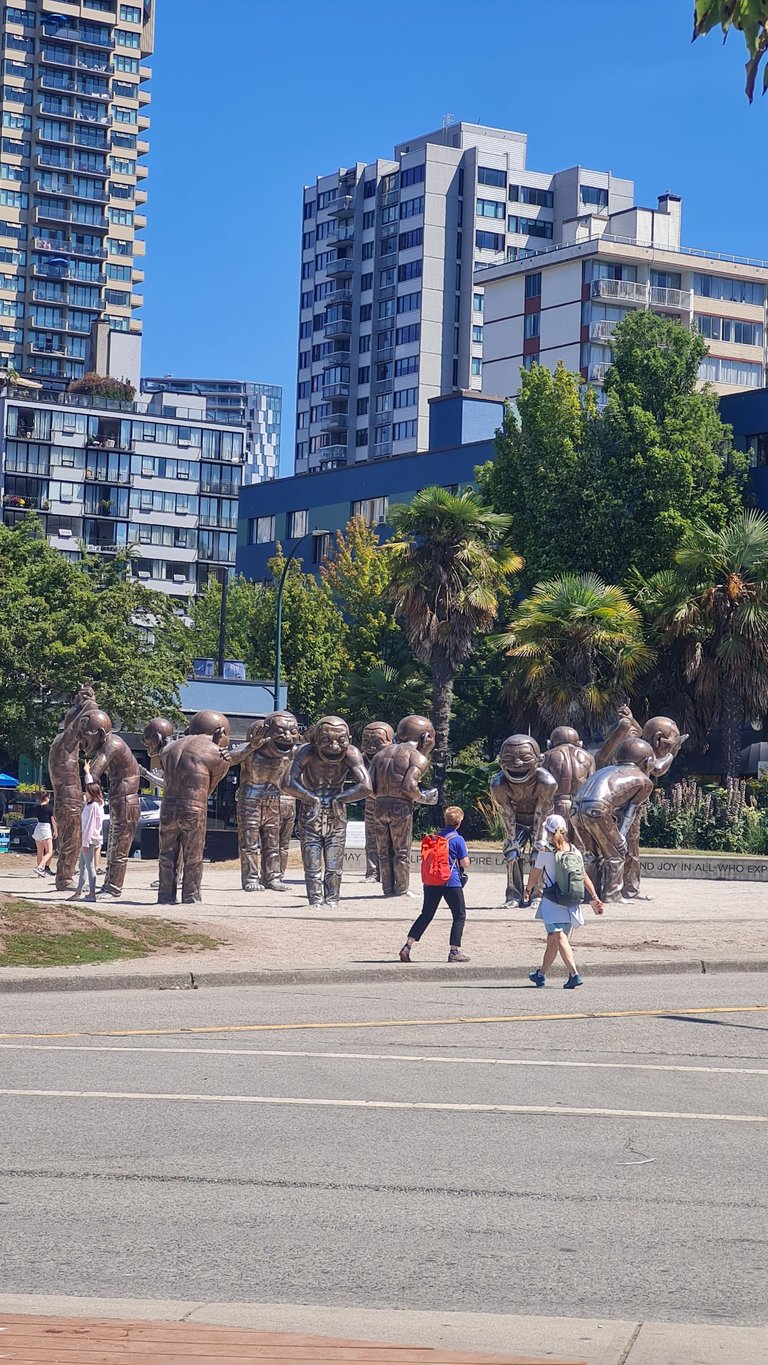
x=444, y=860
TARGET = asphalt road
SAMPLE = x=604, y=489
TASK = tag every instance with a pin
x=427, y=1153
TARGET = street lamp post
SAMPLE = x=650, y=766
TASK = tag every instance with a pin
x=279, y=619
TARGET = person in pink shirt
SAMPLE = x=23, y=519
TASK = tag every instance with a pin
x=91, y=821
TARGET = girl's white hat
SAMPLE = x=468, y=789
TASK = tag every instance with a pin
x=555, y=823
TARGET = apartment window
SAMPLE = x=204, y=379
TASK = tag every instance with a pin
x=476, y=365
x=119, y=165
x=387, y=245
x=594, y=196
x=414, y=237
x=529, y=361
x=118, y=272
x=309, y=209
x=306, y=299
x=532, y=325
x=383, y=340
x=717, y=287
x=129, y=14
x=262, y=530
x=533, y=285
x=730, y=329
x=125, y=38
x=386, y=277
x=129, y=65
x=304, y=360
x=97, y=138
x=305, y=331
x=307, y=270
x=124, y=217
x=737, y=372
x=366, y=281
x=384, y=402
x=490, y=208
x=405, y=335
x=489, y=241
x=478, y=303
x=302, y=390
x=20, y=16
x=297, y=523
x=361, y=436
x=117, y=298
x=22, y=123
x=122, y=115
x=14, y=95
x=412, y=175
x=487, y=175
x=404, y=431
x=534, y=227
x=407, y=302
x=326, y=197
x=368, y=249
x=372, y=510
x=529, y=194
x=14, y=199
x=408, y=364
x=369, y=189
x=369, y=219
x=364, y=374
x=386, y=308
x=307, y=241
x=477, y=334
x=666, y=279
x=366, y=312
x=406, y=398
x=389, y=215
x=364, y=343
x=410, y=207
x=409, y=270
x=382, y=435
x=362, y=407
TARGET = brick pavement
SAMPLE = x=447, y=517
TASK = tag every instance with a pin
x=69, y=1341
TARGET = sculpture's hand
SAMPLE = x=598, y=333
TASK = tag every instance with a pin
x=429, y=797
x=338, y=809
x=679, y=743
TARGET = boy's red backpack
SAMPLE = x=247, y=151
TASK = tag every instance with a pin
x=435, y=860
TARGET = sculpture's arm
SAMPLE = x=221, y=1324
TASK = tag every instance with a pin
x=156, y=779
x=545, y=803
x=625, y=726
x=293, y=786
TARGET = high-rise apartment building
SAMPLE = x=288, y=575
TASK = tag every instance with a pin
x=389, y=314
x=257, y=407
x=563, y=302
x=74, y=123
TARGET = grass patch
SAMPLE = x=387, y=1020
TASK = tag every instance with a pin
x=59, y=936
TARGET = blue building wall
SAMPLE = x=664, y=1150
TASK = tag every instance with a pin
x=462, y=427
x=747, y=413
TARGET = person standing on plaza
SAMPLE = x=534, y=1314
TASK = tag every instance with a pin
x=561, y=865
x=44, y=834
x=444, y=860
x=91, y=823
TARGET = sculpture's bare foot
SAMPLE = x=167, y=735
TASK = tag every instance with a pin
x=252, y=886
x=276, y=886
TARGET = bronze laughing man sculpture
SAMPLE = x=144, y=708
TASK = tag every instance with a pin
x=261, y=813
x=375, y=735
x=396, y=774
x=64, y=771
x=318, y=778
x=107, y=753
x=193, y=767
x=570, y=764
x=604, y=811
x=524, y=794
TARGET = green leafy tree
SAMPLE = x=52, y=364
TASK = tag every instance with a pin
x=206, y=615
x=449, y=563
x=63, y=623
x=749, y=17
x=576, y=648
x=356, y=574
x=711, y=610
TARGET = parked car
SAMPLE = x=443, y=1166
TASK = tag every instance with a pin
x=21, y=832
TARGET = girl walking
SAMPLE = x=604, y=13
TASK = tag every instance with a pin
x=561, y=865
x=91, y=821
x=44, y=834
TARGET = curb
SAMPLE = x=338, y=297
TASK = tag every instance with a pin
x=80, y=980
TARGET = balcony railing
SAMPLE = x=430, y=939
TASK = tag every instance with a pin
x=341, y=327
x=336, y=422
x=340, y=296
x=84, y=37
x=68, y=191
x=598, y=372
x=338, y=390
x=56, y=216
x=342, y=207
x=344, y=266
x=69, y=247
x=680, y=300
x=391, y=197
x=339, y=234
x=601, y=330
x=629, y=291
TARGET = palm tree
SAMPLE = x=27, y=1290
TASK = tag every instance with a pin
x=384, y=691
x=576, y=647
x=712, y=609
x=449, y=563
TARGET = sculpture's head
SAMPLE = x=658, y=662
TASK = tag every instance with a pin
x=93, y=728
x=331, y=738
x=637, y=751
x=211, y=723
x=519, y=758
x=417, y=730
x=280, y=733
x=156, y=735
x=84, y=697
x=663, y=736
x=375, y=735
x=564, y=734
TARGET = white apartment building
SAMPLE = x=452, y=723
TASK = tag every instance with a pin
x=72, y=199
x=562, y=302
x=257, y=407
x=389, y=314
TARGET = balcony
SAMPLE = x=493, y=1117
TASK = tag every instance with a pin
x=677, y=300
x=598, y=372
x=388, y=259
x=84, y=37
x=627, y=291
x=343, y=268
x=340, y=296
x=69, y=247
x=332, y=454
x=383, y=386
x=341, y=327
x=387, y=291
x=391, y=197
x=381, y=450
x=339, y=234
x=50, y=348
x=342, y=207
x=336, y=422
x=68, y=191
x=51, y=161
x=386, y=353
x=337, y=390
x=601, y=331
x=56, y=216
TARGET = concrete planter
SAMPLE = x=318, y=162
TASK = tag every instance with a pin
x=718, y=867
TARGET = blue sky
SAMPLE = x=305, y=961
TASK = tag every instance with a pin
x=251, y=100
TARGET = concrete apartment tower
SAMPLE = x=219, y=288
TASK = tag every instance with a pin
x=257, y=407
x=74, y=113
x=389, y=314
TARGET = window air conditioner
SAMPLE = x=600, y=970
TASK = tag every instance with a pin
x=143, y=573
x=179, y=578
x=64, y=533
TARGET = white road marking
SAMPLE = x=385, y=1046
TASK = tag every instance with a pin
x=388, y=1057
x=570, y=1111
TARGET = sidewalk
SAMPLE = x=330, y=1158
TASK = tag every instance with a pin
x=273, y=937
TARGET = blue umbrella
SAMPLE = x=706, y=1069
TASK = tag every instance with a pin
x=7, y=781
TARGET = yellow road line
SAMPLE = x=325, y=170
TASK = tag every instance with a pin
x=195, y=1029
x=560, y=1110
